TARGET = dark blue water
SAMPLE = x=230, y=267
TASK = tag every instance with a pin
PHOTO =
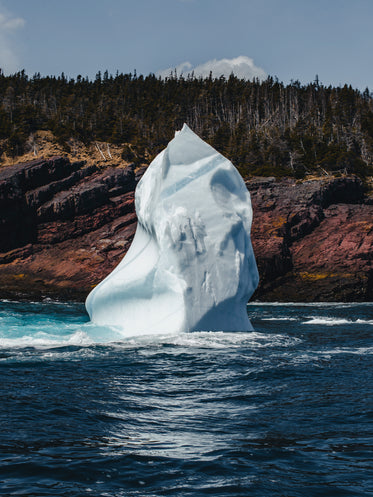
x=284, y=411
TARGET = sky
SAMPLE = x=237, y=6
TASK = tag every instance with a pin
x=287, y=39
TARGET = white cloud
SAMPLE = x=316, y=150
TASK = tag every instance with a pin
x=8, y=54
x=243, y=67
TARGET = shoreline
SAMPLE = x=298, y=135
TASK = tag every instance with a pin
x=65, y=226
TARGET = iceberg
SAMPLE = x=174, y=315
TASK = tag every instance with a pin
x=191, y=265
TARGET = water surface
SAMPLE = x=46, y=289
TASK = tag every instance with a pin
x=283, y=411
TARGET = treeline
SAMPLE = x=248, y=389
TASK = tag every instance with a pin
x=263, y=127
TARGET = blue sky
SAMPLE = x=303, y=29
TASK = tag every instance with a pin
x=290, y=39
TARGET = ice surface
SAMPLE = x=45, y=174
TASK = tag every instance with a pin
x=191, y=266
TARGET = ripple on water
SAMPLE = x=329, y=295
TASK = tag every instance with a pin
x=284, y=410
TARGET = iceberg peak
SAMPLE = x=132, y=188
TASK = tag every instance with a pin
x=187, y=147
x=191, y=265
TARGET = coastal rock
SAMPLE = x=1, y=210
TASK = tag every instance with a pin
x=65, y=226
x=313, y=240
x=51, y=211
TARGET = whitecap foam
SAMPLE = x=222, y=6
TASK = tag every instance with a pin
x=209, y=340
x=44, y=340
x=328, y=321
x=334, y=321
x=279, y=319
x=82, y=345
x=340, y=305
x=348, y=350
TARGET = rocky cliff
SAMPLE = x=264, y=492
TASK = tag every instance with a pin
x=64, y=226
x=313, y=240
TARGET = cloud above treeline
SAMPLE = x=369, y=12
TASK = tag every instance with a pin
x=9, y=25
x=243, y=67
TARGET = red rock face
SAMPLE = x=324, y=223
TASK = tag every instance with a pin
x=313, y=241
x=62, y=234
x=64, y=227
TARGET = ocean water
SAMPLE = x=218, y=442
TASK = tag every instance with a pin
x=286, y=410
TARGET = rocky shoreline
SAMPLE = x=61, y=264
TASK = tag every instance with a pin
x=313, y=240
x=64, y=226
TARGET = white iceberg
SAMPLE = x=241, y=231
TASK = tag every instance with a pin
x=191, y=266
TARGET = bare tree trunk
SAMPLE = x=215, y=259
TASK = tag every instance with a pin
x=99, y=149
x=108, y=151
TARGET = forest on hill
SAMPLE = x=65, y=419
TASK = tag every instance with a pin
x=264, y=127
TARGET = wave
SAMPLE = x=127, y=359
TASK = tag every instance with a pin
x=91, y=335
x=340, y=305
x=278, y=319
x=348, y=350
x=44, y=340
x=334, y=321
x=223, y=340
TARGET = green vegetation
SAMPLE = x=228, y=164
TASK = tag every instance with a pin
x=265, y=128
